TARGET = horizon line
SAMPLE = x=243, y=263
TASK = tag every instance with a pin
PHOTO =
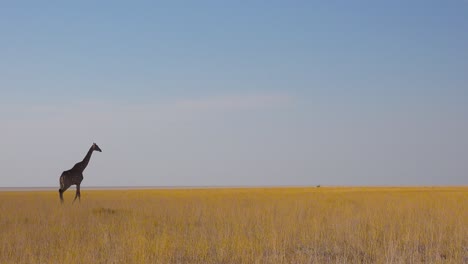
x=181, y=187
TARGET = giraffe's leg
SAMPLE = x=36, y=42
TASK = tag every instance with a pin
x=61, y=195
x=62, y=189
x=62, y=186
x=78, y=194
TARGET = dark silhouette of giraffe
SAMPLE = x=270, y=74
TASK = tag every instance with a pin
x=74, y=176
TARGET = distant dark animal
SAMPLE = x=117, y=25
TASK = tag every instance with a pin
x=74, y=176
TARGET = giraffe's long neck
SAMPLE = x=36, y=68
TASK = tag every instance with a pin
x=86, y=159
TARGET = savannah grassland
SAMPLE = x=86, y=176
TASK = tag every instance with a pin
x=250, y=225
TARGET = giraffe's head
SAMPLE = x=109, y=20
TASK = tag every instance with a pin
x=96, y=147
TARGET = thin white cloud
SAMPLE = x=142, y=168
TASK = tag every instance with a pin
x=179, y=106
x=234, y=102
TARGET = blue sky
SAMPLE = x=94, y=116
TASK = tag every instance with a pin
x=249, y=93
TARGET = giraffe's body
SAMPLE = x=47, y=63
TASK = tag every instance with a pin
x=74, y=176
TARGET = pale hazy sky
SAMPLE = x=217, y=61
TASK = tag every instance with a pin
x=251, y=93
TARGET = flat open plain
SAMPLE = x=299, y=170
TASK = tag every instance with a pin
x=236, y=225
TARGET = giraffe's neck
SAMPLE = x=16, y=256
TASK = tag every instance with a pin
x=86, y=159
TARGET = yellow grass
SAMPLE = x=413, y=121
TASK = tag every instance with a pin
x=261, y=225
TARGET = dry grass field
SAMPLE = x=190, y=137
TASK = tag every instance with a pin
x=257, y=225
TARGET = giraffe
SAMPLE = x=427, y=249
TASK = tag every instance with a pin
x=74, y=176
